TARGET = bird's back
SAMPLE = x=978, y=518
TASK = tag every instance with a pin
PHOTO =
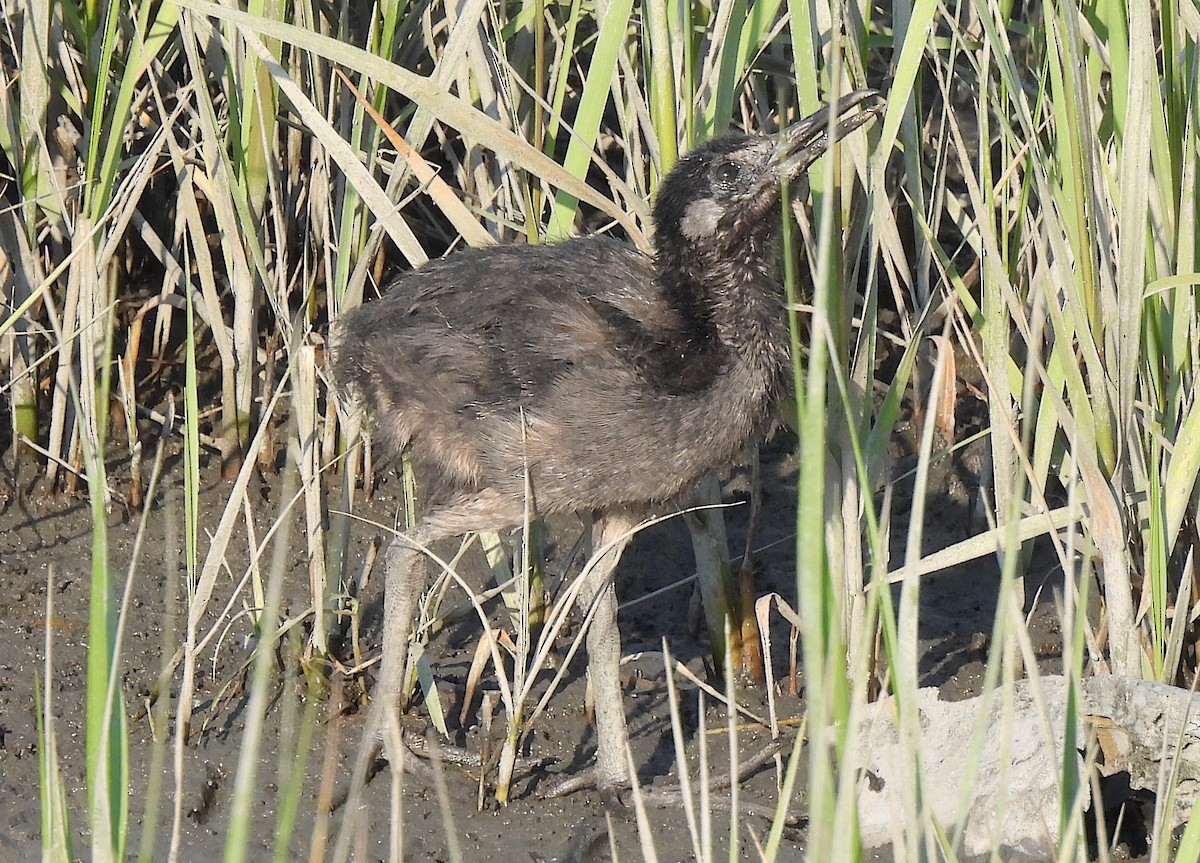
x=565, y=358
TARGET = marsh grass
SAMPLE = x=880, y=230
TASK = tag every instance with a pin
x=195, y=192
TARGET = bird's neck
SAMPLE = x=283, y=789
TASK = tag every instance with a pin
x=736, y=296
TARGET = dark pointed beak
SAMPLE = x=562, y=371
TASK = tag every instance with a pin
x=803, y=143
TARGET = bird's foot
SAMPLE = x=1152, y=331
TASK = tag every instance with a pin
x=428, y=753
x=414, y=760
x=613, y=793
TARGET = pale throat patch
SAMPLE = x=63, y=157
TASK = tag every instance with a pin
x=700, y=219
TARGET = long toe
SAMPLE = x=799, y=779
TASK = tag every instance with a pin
x=593, y=777
x=613, y=791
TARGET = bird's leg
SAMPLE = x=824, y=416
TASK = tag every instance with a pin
x=611, y=774
x=405, y=580
x=610, y=533
x=405, y=577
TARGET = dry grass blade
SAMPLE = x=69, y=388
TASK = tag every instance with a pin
x=451, y=110
x=438, y=189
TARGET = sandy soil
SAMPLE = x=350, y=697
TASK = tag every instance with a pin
x=47, y=546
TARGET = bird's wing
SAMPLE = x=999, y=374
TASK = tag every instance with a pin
x=491, y=330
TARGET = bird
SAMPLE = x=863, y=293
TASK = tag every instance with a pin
x=596, y=378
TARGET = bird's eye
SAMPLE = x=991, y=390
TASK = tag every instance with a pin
x=728, y=173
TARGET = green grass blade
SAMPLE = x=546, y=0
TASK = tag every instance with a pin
x=609, y=41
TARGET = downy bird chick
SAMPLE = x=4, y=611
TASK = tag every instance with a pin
x=614, y=379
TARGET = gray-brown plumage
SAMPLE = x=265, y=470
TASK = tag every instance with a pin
x=614, y=379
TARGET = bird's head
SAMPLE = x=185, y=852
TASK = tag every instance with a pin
x=725, y=193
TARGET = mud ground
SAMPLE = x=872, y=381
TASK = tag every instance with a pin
x=46, y=545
